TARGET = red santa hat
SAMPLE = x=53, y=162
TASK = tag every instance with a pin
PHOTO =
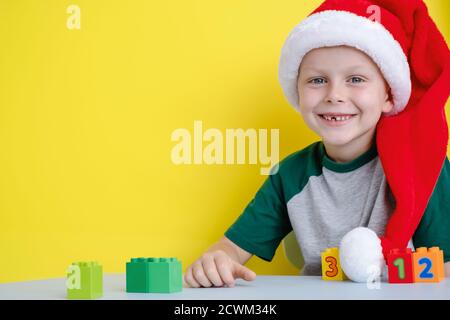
x=412, y=139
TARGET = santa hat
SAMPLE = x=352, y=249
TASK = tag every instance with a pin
x=412, y=139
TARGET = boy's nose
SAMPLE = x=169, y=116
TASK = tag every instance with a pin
x=334, y=100
x=334, y=95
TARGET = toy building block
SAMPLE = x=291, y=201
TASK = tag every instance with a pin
x=156, y=275
x=426, y=265
x=400, y=266
x=440, y=261
x=84, y=280
x=331, y=266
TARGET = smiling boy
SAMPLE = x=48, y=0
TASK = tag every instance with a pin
x=362, y=182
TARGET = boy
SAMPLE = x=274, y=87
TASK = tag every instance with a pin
x=335, y=70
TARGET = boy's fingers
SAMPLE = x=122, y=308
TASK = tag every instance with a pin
x=199, y=274
x=243, y=272
x=224, y=267
x=188, y=279
x=209, y=267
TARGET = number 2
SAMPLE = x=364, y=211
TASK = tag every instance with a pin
x=426, y=274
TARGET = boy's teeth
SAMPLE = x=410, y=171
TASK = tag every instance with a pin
x=337, y=118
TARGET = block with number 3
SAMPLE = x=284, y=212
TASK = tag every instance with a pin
x=331, y=266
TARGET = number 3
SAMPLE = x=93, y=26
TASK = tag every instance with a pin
x=332, y=267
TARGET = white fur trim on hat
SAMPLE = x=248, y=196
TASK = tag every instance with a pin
x=334, y=28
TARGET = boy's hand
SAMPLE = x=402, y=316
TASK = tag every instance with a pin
x=216, y=269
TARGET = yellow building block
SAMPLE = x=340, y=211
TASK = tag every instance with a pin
x=426, y=265
x=331, y=266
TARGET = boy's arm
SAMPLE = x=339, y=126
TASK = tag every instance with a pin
x=232, y=250
x=447, y=269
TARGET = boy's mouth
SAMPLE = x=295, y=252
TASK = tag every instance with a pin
x=336, y=119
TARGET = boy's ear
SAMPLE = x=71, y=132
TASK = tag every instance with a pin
x=388, y=104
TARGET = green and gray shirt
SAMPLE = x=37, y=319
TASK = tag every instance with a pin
x=321, y=200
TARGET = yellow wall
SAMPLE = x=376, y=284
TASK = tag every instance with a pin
x=86, y=117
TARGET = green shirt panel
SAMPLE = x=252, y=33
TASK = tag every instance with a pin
x=434, y=228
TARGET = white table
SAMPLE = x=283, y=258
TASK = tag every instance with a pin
x=263, y=287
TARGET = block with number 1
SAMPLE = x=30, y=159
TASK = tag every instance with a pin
x=400, y=266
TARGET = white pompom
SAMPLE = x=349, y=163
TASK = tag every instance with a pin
x=361, y=254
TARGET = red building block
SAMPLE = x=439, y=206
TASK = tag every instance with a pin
x=400, y=266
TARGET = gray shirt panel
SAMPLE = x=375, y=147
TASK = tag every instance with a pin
x=321, y=214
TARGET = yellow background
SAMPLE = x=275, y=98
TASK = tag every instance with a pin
x=86, y=117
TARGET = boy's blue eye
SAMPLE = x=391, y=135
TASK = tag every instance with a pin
x=317, y=81
x=356, y=79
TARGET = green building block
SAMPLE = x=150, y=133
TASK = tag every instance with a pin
x=155, y=275
x=84, y=280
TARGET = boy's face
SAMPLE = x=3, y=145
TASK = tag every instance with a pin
x=342, y=80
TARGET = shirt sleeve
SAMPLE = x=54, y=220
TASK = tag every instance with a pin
x=434, y=228
x=264, y=222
